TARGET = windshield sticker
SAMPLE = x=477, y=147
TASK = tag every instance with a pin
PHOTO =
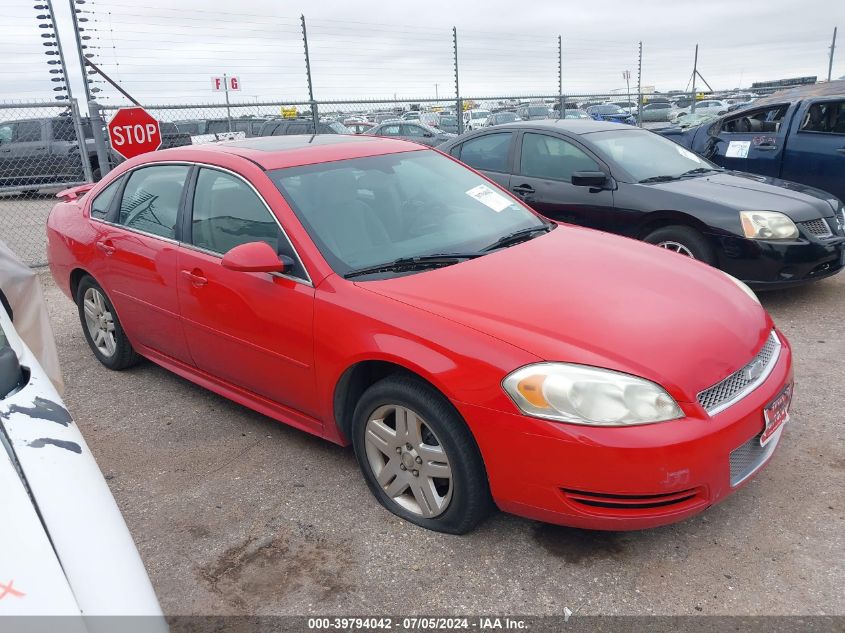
x=489, y=198
x=738, y=149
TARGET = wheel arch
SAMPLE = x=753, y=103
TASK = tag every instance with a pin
x=76, y=276
x=361, y=375
x=659, y=219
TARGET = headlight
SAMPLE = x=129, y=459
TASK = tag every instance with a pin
x=588, y=395
x=767, y=225
x=742, y=286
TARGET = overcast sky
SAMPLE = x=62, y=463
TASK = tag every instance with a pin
x=381, y=49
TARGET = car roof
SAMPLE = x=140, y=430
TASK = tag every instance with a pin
x=277, y=152
x=571, y=126
x=826, y=89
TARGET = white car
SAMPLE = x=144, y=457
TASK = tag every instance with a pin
x=714, y=106
x=65, y=547
x=475, y=119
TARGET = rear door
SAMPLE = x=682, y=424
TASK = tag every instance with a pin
x=542, y=178
x=139, y=245
x=815, y=152
x=28, y=154
x=752, y=141
x=490, y=153
x=253, y=330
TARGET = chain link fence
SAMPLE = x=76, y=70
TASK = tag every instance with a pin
x=40, y=154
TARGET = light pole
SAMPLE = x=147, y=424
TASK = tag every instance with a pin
x=436, y=94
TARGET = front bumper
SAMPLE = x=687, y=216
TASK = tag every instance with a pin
x=624, y=478
x=772, y=265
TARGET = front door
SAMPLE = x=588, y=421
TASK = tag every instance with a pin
x=138, y=244
x=815, y=154
x=543, y=179
x=252, y=330
x=752, y=141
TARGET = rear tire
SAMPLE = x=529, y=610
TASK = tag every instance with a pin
x=102, y=328
x=418, y=456
x=684, y=240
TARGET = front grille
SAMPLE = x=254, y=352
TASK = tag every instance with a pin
x=743, y=381
x=749, y=457
x=819, y=228
x=630, y=502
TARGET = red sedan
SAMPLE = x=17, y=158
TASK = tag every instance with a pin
x=378, y=293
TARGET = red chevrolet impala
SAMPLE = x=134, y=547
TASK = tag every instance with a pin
x=378, y=293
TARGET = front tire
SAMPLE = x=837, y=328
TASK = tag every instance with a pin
x=102, y=328
x=418, y=457
x=683, y=240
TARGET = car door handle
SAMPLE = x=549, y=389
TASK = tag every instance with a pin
x=196, y=277
x=523, y=190
x=107, y=247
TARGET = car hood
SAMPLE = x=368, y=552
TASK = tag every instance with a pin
x=742, y=191
x=588, y=297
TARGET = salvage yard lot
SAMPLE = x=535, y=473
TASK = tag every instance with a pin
x=235, y=513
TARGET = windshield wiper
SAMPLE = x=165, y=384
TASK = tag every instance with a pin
x=699, y=170
x=658, y=179
x=517, y=236
x=420, y=262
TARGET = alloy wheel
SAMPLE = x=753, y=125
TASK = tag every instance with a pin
x=100, y=322
x=677, y=247
x=408, y=461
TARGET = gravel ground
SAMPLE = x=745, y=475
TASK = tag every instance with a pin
x=234, y=513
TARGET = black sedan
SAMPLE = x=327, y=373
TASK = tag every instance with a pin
x=767, y=232
x=411, y=131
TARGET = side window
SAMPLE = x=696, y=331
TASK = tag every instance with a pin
x=6, y=132
x=827, y=117
x=27, y=132
x=488, y=152
x=150, y=200
x=553, y=158
x=414, y=131
x=762, y=120
x=102, y=203
x=228, y=213
x=63, y=130
x=390, y=130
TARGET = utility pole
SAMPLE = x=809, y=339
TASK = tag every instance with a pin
x=458, y=102
x=562, y=111
x=314, y=113
x=639, y=87
x=832, y=48
x=436, y=94
x=694, y=77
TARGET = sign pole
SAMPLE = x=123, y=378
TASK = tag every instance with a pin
x=226, y=89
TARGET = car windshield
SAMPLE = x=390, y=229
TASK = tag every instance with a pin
x=607, y=109
x=575, y=114
x=538, y=111
x=364, y=212
x=480, y=114
x=340, y=128
x=448, y=120
x=506, y=117
x=646, y=155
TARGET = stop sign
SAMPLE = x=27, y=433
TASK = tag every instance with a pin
x=134, y=131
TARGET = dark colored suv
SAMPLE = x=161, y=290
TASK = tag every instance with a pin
x=281, y=127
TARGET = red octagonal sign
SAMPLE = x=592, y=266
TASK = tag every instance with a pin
x=133, y=131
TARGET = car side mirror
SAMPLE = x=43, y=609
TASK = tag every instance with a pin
x=589, y=178
x=256, y=257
